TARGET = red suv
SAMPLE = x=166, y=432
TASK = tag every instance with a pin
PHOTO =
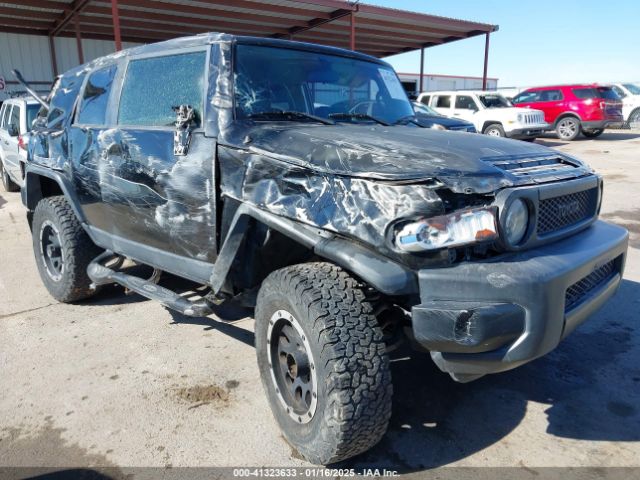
x=572, y=109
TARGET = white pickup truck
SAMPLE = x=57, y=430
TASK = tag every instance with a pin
x=630, y=95
x=490, y=112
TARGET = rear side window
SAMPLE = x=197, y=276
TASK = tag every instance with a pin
x=153, y=86
x=596, y=92
x=443, y=101
x=4, y=114
x=93, y=106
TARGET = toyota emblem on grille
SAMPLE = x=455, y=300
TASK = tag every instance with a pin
x=566, y=209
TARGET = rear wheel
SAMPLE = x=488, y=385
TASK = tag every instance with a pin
x=568, y=128
x=596, y=132
x=62, y=249
x=322, y=361
x=8, y=184
x=494, y=130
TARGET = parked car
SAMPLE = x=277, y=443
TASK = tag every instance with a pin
x=630, y=95
x=427, y=117
x=490, y=112
x=572, y=109
x=16, y=117
x=347, y=228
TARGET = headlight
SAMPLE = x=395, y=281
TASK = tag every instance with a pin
x=437, y=126
x=516, y=221
x=460, y=228
x=520, y=118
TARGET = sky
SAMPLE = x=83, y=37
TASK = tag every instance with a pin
x=539, y=42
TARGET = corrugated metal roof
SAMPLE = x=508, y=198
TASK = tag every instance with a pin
x=380, y=31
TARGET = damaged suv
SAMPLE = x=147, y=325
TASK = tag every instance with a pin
x=294, y=177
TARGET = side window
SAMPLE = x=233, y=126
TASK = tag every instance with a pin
x=527, y=97
x=466, y=102
x=14, y=120
x=4, y=114
x=93, y=106
x=426, y=99
x=152, y=86
x=443, y=101
x=550, y=96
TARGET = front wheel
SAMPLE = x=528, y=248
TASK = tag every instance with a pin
x=8, y=184
x=634, y=119
x=568, y=128
x=62, y=249
x=596, y=132
x=494, y=130
x=322, y=361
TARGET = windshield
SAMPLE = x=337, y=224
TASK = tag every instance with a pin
x=633, y=89
x=494, y=100
x=424, y=109
x=270, y=79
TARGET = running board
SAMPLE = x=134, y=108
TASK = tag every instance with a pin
x=102, y=275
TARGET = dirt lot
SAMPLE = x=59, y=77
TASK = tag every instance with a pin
x=121, y=381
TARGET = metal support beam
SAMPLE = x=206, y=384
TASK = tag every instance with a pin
x=79, y=39
x=116, y=25
x=352, y=33
x=486, y=61
x=421, y=84
x=67, y=15
x=52, y=51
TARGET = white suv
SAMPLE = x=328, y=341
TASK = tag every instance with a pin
x=490, y=112
x=630, y=95
x=16, y=117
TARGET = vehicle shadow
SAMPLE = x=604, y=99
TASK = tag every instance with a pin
x=226, y=314
x=591, y=384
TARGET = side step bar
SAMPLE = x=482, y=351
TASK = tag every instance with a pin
x=102, y=275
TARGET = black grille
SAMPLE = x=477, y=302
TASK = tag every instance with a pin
x=566, y=210
x=577, y=292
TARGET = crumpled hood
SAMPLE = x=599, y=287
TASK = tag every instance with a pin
x=396, y=153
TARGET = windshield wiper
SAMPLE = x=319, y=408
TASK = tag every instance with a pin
x=357, y=116
x=288, y=115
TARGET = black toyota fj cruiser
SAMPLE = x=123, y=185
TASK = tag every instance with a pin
x=295, y=176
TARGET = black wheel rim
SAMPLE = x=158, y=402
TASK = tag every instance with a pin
x=51, y=250
x=292, y=367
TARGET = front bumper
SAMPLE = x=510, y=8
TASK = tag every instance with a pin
x=487, y=317
x=528, y=131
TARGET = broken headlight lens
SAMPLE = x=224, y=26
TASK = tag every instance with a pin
x=459, y=228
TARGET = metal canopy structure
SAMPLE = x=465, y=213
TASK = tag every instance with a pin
x=374, y=30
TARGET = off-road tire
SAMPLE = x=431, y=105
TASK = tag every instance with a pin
x=494, y=130
x=352, y=367
x=8, y=184
x=596, y=132
x=77, y=250
x=568, y=128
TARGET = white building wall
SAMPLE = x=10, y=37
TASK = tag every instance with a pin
x=446, y=82
x=30, y=54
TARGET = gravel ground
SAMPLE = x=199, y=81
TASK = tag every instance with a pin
x=121, y=381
